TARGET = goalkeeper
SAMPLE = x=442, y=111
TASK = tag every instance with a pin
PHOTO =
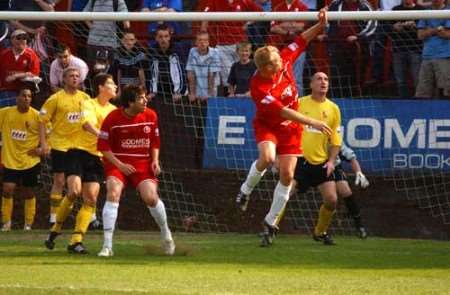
x=343, y=189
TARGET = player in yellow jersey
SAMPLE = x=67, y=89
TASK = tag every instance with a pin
x=84, y=165
x=316, y=167
x=63, y=110
x=19, y=126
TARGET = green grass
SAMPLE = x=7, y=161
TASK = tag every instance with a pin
x=225, y=264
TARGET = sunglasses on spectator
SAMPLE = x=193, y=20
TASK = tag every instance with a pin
x=21, y=37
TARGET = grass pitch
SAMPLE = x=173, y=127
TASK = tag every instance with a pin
x=224, y=264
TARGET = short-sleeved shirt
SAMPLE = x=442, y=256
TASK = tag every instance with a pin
x=315, y=144
x=64, y=111
x=95, y=114
x=230, y=32
x=177, y=5
x=240, y=75
x=435, y=46
x=272, y=95
x=202, y=66
x=130, y=139
x=20, y=134
x=56, y=70
x=104, y=33
x=27, y=61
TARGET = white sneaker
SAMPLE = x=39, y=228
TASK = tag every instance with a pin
x=169, y=247
x=27, y=227
x=6, y=226
x=105, y=252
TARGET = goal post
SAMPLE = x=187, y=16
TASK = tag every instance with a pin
x=403, y=145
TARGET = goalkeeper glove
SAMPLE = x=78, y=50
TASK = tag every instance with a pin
x=361, y=180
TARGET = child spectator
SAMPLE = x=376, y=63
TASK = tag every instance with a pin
x=203, y=68
x=241, y=72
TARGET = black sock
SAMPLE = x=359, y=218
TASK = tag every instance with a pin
x=353, y=210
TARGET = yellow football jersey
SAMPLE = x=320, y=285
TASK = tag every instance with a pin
x=64, y=111
x=94, y=113
x=20, y=134
x=315, y=144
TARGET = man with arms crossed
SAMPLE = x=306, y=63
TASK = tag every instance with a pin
x=129, y=140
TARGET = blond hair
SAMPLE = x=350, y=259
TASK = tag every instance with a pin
x=244, y=45
x=265, y=56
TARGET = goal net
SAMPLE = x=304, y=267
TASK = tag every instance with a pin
x=402, y=143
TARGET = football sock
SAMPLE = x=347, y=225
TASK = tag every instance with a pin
x=353, y=210
x=63, y=211
x=253, y=178
x=110, y=211
x=94, y=215
x=280, y=217
x=55, y=202
x=30, y=210
x=325, y=216
x=159, y=214
x=7, y=207
x=280, y=198
x=82, y=223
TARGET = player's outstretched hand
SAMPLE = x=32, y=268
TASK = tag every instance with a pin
x=126, y=169
x=361, y=180
x=321, y=126
x=323, y=16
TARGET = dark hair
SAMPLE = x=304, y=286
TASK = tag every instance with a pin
x=60, y=48
x=129, y=94
x=100, y=80
x=163, y=27
x=26, y=87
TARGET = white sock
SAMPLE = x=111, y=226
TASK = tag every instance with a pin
x=110, y=211
x=253, y=178
x=159, y=214
x=280, y=198
x=52, y=218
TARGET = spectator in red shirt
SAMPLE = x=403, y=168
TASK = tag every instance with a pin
x=228, y=34
x=18, y=63
x=129, y=141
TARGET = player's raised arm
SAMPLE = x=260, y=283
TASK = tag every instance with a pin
x=318, y=28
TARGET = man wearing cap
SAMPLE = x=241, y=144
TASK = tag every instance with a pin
x=19, y=62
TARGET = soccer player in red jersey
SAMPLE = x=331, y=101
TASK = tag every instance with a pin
x=129, y=141
x=277, y=123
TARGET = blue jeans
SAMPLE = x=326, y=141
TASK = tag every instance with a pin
x=299, y=66
x=402, y=62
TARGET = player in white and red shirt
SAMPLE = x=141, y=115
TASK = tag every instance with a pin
x=129, y=141
x=277, y=122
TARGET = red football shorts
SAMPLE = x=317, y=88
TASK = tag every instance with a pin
x=288, y=139
x=143, y=172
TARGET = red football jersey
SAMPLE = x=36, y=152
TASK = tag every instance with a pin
x=230, y=32
x=129, y=139
x=272, y=95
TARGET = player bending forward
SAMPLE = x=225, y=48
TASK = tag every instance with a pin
x=129, y=141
